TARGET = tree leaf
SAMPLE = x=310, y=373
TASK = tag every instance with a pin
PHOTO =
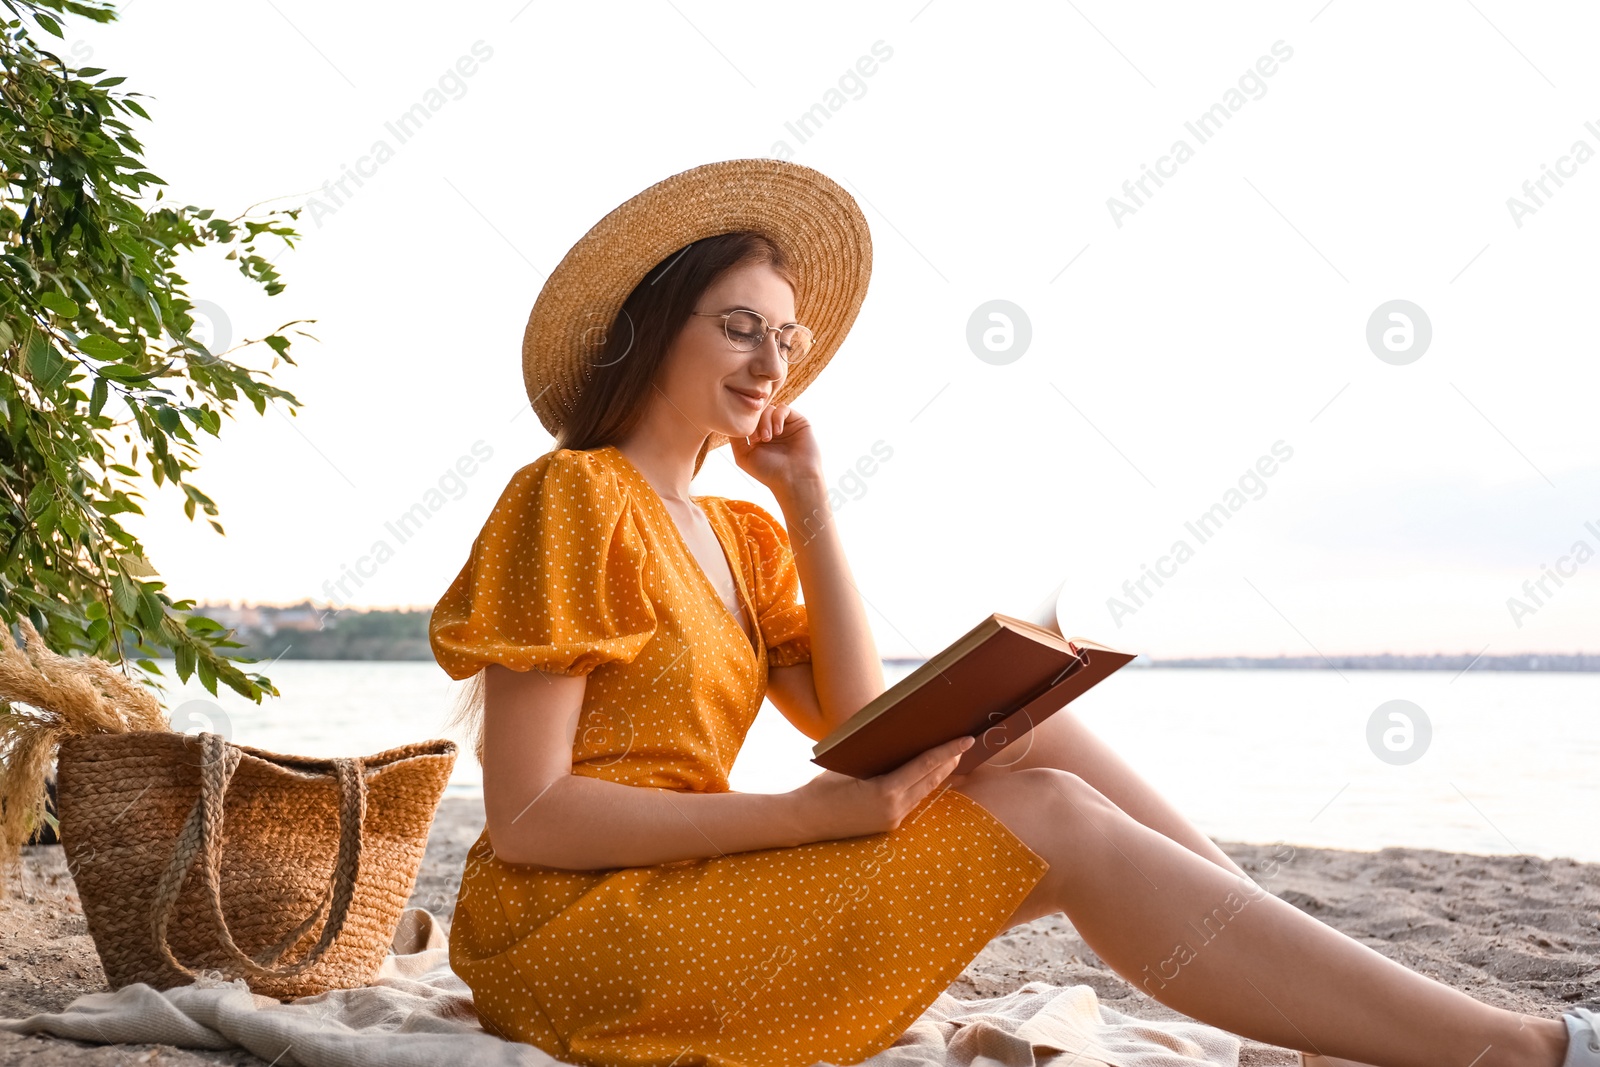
x=183, y=660
x=45, y=364
x=59, y=304
x=149, y=609
x=124, y=595
x=208, y=676
x=135, y=563
x=124, y=373
x=99, y=346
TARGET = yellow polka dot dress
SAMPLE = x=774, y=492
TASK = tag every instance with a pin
x=777, y=957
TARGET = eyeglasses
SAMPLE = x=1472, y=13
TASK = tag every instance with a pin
x=747, y=330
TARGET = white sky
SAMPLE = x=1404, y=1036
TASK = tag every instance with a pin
x=1228, y=313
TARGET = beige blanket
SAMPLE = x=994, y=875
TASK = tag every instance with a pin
x=418, y=1013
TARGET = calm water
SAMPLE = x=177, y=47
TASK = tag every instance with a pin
x=1513, y=765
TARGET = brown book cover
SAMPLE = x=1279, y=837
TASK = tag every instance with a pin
x=995, y=683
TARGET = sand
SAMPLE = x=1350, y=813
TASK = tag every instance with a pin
x=1515, y=931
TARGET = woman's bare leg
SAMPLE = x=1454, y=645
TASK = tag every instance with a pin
x=1221, y=949
x=1062, y=741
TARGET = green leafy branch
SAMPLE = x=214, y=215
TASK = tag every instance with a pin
x=99, y=372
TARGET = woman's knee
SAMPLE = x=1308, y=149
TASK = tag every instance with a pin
x=1048, y=808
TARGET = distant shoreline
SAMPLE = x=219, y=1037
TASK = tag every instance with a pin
x=307, y=647
x=302, y=632
x=1530, y=661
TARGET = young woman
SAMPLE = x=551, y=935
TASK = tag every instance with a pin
x=623, y=906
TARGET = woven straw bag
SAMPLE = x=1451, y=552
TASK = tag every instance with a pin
x=192, y=853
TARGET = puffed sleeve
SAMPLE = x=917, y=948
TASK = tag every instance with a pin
x=776, y=585
x=555, y=580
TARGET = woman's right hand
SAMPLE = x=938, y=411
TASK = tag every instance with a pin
x=834, y=805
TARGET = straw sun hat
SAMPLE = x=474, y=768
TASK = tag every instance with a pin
x=816, y=223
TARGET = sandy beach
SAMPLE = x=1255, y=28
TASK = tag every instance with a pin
x=1516, y=931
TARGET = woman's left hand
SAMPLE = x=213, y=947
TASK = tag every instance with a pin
x=782, y=451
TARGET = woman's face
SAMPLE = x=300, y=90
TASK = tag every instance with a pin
x=714, y=385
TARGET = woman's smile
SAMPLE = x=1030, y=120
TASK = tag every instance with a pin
x=754, y=400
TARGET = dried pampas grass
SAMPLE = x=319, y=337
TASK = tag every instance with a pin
x=45, y=697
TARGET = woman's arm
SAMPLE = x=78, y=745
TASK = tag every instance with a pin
x=793, y=691
x=845, y=673
x=539, y=812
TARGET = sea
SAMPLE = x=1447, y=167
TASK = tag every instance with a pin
x=1486, y=762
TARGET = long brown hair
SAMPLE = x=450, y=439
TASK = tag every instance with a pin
x=625, y=369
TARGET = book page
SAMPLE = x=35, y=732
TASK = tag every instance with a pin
x=1045, y=614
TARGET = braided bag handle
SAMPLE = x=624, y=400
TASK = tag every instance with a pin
x=201, y=837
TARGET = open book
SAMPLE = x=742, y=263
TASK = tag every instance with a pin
x=996, y=683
